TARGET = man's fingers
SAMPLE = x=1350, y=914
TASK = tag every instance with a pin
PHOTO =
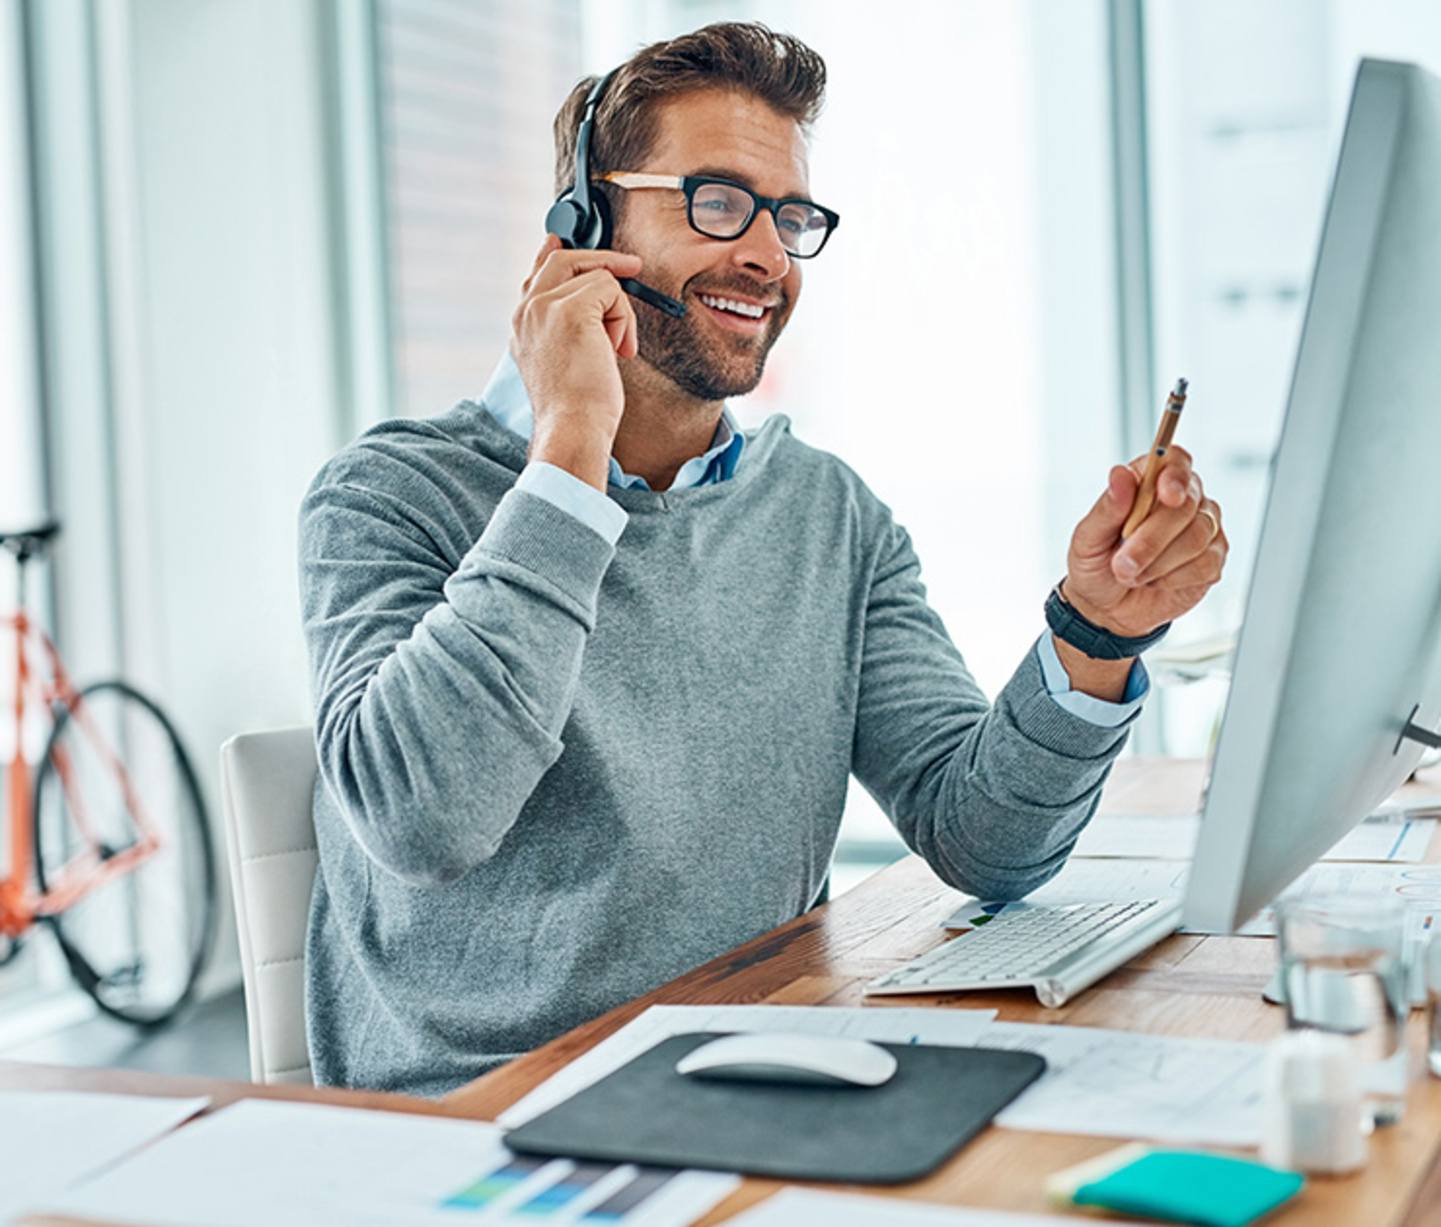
x=621, y=328
x=1202, y=541
x=1098, y=532
x=552, y=243
x=557, y=266
x=597, y=294
x=1174, y=483
x=1179, y=495
x=1196, y=575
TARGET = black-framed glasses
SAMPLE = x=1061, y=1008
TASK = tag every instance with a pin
x=720, y=209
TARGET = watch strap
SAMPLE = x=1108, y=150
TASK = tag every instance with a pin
x=1073, y=627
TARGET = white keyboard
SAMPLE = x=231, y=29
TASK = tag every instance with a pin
x=1058, y=949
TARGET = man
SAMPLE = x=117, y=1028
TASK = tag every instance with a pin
x=592, y=668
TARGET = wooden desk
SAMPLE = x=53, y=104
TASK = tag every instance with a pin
x=1186, y=986
x=1191, y=986
x=25, y=1076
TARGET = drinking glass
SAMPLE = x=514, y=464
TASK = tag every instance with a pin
x=1343, y=972
x=1430, y=955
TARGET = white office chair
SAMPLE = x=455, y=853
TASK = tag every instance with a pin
x=266, y=787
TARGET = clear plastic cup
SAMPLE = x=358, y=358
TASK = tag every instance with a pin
x=1343, y=973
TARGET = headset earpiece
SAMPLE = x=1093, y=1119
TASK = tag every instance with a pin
x=579, y=227
x=566, y=220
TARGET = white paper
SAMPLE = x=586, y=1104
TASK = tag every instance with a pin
x=1408, y=805
x=1173, y=837
x=1418, y=887
x=49, y=1139
x=313, y=1165
x=955, y=1028
x=805, y=1208
x=1129, y=1085
x=1166, y=837
x=1385, y=839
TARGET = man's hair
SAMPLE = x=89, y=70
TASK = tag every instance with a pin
x=776, y=68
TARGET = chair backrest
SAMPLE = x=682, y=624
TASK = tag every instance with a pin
x=267, y=781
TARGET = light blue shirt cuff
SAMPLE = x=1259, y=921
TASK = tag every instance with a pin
x=1089, y=708
x=575, y=497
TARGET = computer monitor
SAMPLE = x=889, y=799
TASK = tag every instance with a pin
x=1337, y=680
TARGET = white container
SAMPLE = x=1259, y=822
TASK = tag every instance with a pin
x=1314, y=1115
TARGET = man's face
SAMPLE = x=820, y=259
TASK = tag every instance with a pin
x=715, y=351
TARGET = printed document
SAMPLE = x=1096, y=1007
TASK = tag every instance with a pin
x=50, y=1139
x=1158, y=1087
x=313, y=1165
x=1173, y=837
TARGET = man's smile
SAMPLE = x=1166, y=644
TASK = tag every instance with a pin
x=742, y=315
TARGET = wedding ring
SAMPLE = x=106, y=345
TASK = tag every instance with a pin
x=1215, y=522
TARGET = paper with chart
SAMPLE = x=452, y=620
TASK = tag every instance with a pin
x=313, y=1165
x=809, y=1208
x=1417, y=886
x=1157, y=1087
x=1173, y=837
x=954, y=1028
x=50, y=1139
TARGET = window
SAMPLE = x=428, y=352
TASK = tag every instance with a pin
x=21, y=494
x=1245, y=108
x=468, y=91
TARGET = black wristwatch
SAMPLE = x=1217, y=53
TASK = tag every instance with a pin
x=1073, y=627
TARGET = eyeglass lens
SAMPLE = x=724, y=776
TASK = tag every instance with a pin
x=723, y=210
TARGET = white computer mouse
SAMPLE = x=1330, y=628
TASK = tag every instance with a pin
x=782, y=1058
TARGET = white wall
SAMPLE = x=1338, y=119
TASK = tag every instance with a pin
x=232, y=399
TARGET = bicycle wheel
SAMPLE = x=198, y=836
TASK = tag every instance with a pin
x=138, y=942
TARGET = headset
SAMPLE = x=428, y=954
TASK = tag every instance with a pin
x=581, y=217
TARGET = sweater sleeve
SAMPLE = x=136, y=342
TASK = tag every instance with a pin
x=441, y=688
x=993, y=797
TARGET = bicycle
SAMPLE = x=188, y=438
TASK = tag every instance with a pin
x=109, y=838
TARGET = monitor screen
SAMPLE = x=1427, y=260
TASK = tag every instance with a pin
x=1340, y=647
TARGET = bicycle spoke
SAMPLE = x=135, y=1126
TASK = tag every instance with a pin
x=117, y=804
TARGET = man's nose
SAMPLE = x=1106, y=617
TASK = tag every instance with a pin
x=759, y=250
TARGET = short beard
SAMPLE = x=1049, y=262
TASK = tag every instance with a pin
x=676, y=349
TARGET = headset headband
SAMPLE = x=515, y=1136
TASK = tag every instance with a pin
x=580, y=189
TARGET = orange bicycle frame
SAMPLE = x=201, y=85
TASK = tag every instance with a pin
x=21, y=901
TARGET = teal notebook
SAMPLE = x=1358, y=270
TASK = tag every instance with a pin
x=1181, y=1186
x=645, y=1112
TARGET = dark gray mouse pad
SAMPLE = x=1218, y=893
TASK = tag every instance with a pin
x=645, y=1112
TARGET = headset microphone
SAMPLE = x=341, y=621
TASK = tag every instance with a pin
x=581, y=217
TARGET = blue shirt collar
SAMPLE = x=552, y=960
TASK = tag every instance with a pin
x=508, y=401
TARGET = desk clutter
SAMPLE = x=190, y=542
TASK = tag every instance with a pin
x=1206, y=1109
x=625, y=1138
x=314, y=1165
x=1163, y=1088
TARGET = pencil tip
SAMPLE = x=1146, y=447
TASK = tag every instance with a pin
x=1181, y=386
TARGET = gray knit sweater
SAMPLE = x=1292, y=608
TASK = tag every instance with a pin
x=556, y=774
